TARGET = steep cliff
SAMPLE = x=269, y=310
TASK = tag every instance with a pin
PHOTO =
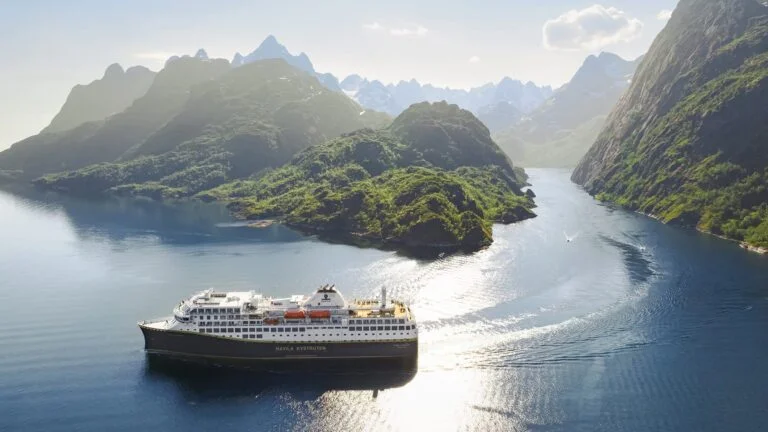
x=688, y=142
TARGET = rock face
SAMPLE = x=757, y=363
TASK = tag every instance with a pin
x=688, y=142
x=560, y=131
x=111, y=94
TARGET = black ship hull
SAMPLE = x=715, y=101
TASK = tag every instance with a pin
x=213, y=349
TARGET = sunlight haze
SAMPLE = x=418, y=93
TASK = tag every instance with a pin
x=55, y=45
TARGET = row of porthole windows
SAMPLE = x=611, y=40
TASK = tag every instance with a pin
x=258, y=336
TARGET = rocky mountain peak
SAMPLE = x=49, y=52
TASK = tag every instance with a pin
x=114, y=70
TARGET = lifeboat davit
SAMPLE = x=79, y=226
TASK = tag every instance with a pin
x=320, y=314
x=294, y=314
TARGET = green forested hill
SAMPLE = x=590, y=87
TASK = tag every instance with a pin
x=253, y=117
x=106, y=140
x=689, y=141
x=433, y=178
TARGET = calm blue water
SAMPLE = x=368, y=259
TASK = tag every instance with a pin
x=632, y=326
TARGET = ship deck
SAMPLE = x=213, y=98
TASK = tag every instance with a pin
x=370, y=309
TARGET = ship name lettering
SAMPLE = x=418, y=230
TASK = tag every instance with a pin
x=301, y=348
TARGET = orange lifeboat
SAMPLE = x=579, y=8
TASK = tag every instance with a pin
x=271, y=321
x=294, y=314
x=320, y=314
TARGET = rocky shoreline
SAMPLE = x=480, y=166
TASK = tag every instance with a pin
x=742, y=244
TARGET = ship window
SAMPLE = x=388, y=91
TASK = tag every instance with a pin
x=365, y=321
x=258, y=336
x=301, y=329
x=258, y=330
x=295, y=329
x=230, y=330
x=273, y=330
x=387, y=328
x=401, y=321
x=201, y=331
x=380, y=328
x=401, y=328
x=366, y=328
x=215, y=317
x=237, y=330
x=280, y=330
x=215, y=330
x=208, y=317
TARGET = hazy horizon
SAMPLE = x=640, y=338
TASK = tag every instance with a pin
x=56, y=46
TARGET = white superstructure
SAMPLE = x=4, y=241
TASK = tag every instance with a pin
x=325, y=316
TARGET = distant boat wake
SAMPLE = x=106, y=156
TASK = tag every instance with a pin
x=569, y=238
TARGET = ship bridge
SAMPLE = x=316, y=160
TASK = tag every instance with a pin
x=326, y=298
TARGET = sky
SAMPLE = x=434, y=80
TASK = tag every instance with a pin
x=48, y=46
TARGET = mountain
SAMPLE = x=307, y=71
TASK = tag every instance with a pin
x=247, y=119
x=560, y=131
x=393, y=98
x=688, y=143
x=108, y=139
x=270, y=48
x=500, y=115
x=433, y=178
x=113, y=93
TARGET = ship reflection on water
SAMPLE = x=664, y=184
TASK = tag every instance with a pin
x=215, y=381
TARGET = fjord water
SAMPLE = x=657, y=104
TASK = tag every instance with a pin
x=630, y=326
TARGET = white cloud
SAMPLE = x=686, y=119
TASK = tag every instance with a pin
x=664, y=15
x=372, y=26
x=589, y=29
x=415, y=31
x=154, y=55
x=474, y=59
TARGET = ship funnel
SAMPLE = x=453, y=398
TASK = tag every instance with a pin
x=383, y=297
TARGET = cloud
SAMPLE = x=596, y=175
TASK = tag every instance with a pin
x=664, y=15
x=474, y=59
x=415, y=31
x=372, y=26
x=154, y=55
x=590, y=29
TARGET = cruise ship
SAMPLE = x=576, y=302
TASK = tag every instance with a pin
x=250, y=327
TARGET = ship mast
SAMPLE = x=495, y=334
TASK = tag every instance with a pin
x=383, y=297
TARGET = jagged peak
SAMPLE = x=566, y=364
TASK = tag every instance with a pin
x=237, y=60
x=113, y=70
x=137, y=70
x=507, y=81
x=270, y=43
